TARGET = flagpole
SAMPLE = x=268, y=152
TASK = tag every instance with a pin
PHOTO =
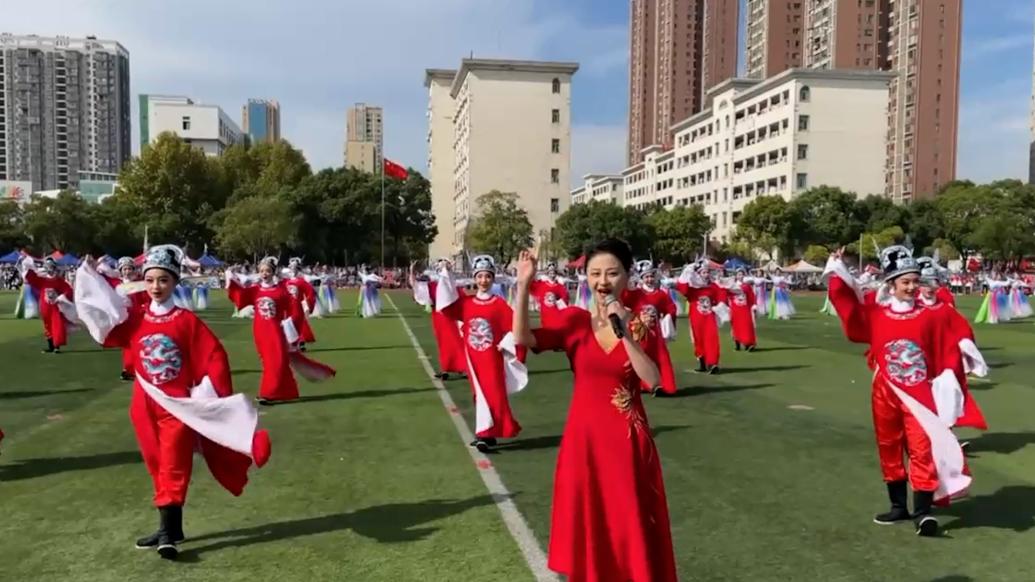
x=382, y=215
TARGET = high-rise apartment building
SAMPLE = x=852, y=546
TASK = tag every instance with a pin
x=260, y=120
x=510, y=127
x=845, y=34
x=773, y=36
x=924, y=39
x=364, y=124
x=64, y=110
x=678, y=50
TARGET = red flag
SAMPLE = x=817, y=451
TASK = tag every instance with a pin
x=394, y=170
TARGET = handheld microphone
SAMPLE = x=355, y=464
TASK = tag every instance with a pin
x=616, y=322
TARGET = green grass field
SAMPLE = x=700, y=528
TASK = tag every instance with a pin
x=770, y=467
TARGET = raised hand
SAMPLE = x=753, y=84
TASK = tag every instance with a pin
x=526, y=267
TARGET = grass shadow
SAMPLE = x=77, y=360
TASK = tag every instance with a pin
x=358, y=349
x=244, y=372
x=1001, y=442
x=356, y=394
x=550, y=371
x=36, y=394
x=554, y=441
x=748, y=370
x=690, y=392
x=389, y=523
x=32, y=468
x=1011, y=508
x=783, y=349
x=1000, y=365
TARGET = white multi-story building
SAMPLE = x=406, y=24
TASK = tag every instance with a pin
x=439, y=83
x=797, y=130
x=511, y=131
x=206, y=127
x=599, y=188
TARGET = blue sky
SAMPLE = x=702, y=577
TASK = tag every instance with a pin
x=319, y=56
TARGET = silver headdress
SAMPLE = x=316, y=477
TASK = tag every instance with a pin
x=169, y=258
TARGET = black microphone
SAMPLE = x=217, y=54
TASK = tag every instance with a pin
x=616, y=322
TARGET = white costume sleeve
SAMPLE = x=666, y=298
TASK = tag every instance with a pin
x=98, y=306
x=516, y=372
x=421, y=294
x=948, y=397
x=290, y=332
x=973, y=361
x=668, y=328
x=836, y=267
x=446, y=293
x=722, y=313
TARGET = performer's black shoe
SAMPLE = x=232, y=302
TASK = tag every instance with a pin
x=898, y=493
x=264, y=401
x=700, y=365
x=50, y=347
x=713, y=370
x=655, y=391
x=56, y=351
x=126, y=376
x=301, y=347
x=175, y=535
x=442, y=376
x=926, y=524
x=484, y=445
x=964, y=445
x=736, y=346
x=751, y=348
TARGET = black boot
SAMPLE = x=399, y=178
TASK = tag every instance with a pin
x=50, y=347
x=170, y=524
x=751, y=348
x=700, y=365
x=736, y=346
x=898, y=493
x=926, y=524
x=126, y=376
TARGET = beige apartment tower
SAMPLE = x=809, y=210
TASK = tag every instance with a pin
x=509, y=129
x=364, y=124
x=773, y=37
x=678, y=50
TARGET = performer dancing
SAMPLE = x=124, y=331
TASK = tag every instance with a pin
x=492, y=359
x=915, y=388
x=583, y=294
x=127, y=283
x=303, y=301
x=760, y=286
x=658, y=313
x=610, y=517
x=780, y=306
x=274, y=333
x=704, y=298
x=56, y=309
x=741, y=296
x=369, y=304
x=447, y=331
x=996, y=306
x=551, y=294
x=183, y=394
x=1020, y=308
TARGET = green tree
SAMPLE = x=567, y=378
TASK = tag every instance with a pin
x=339, y=216
x=12, y=226
x=765, y=225
x=945, y=250
x=962, y=205
x=118, y=229
x=871, y=242
x=256, y=226
x=877, y=213
x=409, y=223
x=678, y=233
x=925, y=223
x=1003, y=236
x=824, y=216
x=63, y=223
x=816, y=254
x=586, y=224
x=500, y=226
x=174, y=189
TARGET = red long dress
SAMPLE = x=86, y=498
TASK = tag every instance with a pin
x=272, y=305
x=552, y=297
x=486, y=322
x=48, y=289
x=742, y=318
x=659, y=304
x=703, y=325
x=447, y=338
x=138, y=301
x=301, y=290
x=610, y=515
x=907, y=351
x=175, y=351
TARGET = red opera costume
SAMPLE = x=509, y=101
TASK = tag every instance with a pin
x=552, y=297
x=138, y=302
x=703, y=298
x=491, y=354
x=272, y=305
x=303, y=301
x=742, y=314
x=52, y=291
x=610, y=519
x=945, y=296
x=659, y=306
x=451, y=357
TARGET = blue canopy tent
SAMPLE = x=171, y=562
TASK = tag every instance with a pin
x=65, y=259
x=11, y=258
x=208, y=261
x=733, y=263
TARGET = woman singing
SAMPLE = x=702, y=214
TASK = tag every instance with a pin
x=610, y=516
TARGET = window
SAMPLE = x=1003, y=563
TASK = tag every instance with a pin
x=804, y=94
x=556, y=116
x=556, y=85
x=803, y=151
x=555, y=176
x=555, y=205
x=803, y=123
x=186, y=123
x=555, y=146
x=803, y=181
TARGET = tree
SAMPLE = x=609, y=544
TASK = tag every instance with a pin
x=256, y=226
x=585, y=224
x=765, y=225
x=500, y=227
x=945, y=250
x=678, y=233
x=409, y=223
x=877, y=213
x=1003, y=236
x=816, y=254
x=872, y=242
x=960, y=207
x=925, y=223
x=174, y=189
x=824, y=216
x=118, y=228
x=12, y=226
x=339, y=216
x=62, y=223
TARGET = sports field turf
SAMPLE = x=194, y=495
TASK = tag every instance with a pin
x=770, y=467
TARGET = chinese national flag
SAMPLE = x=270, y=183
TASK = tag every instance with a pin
x=394, y=170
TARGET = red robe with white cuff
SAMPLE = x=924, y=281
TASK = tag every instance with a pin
x=742, y=314
x=659, y=305
x=913, y=357
x=302, y=291
x=552, y=297
x=704, y=325
x=138, y=299
x=183, y=394
x=447, y=337
x=944, y=295
x=52, y=291
x=493, y=365
x=968, y=360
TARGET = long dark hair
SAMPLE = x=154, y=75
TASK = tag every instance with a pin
x=615, y=247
